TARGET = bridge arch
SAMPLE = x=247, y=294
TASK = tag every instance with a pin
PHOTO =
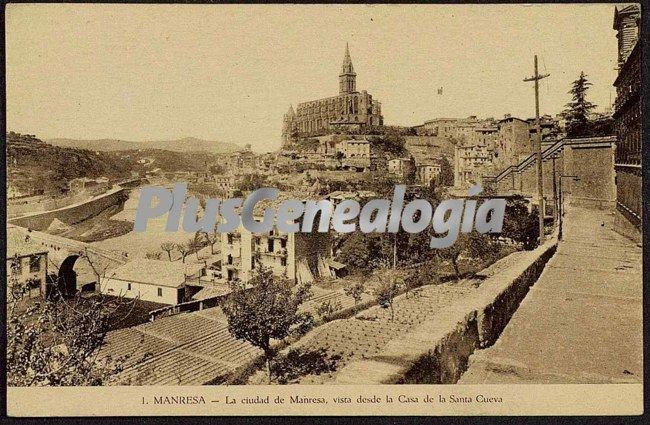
x=67, y=278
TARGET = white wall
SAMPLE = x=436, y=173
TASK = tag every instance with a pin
x=143, y=291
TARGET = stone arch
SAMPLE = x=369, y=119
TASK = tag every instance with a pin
x=66, y=282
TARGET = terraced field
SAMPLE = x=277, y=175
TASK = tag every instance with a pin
x=196, y=348
x=186, y=349
x=369, y=331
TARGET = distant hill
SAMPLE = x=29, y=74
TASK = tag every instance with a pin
x=187, y=144
x=35, y=165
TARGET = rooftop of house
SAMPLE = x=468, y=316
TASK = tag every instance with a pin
x=155, y=272
x=20, y=244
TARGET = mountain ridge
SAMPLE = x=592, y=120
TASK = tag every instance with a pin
x=184, y=144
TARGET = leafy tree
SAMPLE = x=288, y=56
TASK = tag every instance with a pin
x=391, y=143
x=358, y=250
x=299, y=362
x=520, y=225
x=168, y=247
x=446, y=176
x=577, y=112
x=425, y=275
x=264, y=309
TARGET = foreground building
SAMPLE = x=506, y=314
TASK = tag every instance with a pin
x=627, y=118
x=151, y=280
x=26, y=262
x=350, y=109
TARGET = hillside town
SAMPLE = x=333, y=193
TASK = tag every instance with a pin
x=162, y=308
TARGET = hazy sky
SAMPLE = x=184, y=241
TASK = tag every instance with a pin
x=152, y=72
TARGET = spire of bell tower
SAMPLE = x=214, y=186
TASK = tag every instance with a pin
x=347, y=77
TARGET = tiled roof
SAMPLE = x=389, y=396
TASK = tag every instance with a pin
x=155, y=272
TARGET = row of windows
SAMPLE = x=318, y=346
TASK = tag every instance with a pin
x=34, y=264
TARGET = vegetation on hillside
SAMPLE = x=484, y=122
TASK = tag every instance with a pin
x=32, y=163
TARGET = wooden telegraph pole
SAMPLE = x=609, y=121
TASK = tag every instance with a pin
x=538, y=148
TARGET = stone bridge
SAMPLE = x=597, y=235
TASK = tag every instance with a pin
x=66, y=256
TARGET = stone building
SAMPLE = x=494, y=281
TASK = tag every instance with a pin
x=426, y=173
x=513, y=142
x=298, y=256
x=485, y=135
x=627, y=118
x=472, y=161
x=26, y=262
x=402, y=168
x=151, y=280
x=349, y=109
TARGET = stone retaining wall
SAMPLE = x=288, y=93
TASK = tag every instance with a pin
x=72, y=214
x=437, y=351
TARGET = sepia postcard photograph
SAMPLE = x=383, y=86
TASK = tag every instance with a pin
x=343, y=209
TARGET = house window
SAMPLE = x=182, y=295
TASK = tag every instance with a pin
x=18, y=265
x=34, y=263
x=160, y=292
x=283, y=261
x=128, y=286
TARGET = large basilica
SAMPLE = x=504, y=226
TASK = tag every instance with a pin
x=349, y=108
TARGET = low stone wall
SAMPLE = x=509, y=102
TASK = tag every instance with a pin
x=72, y=214
x=438, y=350
x=41, y=204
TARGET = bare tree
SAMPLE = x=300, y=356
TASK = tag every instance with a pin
x=56, y=340
x=184, y=250
x=212, y=238
x=355, y=291
x=385, y=294
x=194, y=244
x=168, y=247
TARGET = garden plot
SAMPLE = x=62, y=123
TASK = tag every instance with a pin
x=364, y=335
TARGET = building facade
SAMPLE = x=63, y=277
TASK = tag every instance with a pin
x=151, y=280
x=350, y=108
x=402, y=168
x=627, y=116
x=513, y=142
x=26, y=263
x=472, y=161
x=426, y=173
x=298, y=256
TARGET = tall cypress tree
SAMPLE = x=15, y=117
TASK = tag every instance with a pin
x=578, y=109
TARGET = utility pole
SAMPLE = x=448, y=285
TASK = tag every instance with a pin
x=538, y=148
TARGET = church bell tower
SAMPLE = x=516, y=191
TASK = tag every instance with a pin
x=347, y=78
